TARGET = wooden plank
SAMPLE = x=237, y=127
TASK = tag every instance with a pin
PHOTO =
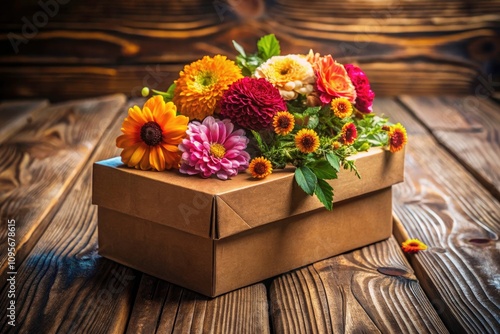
x=372, y=289
x=63, y=285
x=87, y=81
x=417, y=46
x=161, y=307
x=40, y=162
x=15, y=114
x=469, y=128
x=441, y=204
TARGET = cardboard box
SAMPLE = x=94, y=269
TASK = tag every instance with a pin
x=215, y=236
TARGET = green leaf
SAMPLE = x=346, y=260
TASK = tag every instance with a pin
x=239, y=48
x=168, y=95
x=170, y=91
x=334, y=161
x=313, y=121
x=268, y=47
x=312, y=110
x=323, y=170
x=324, y=192
x=259, y=140
x=306, y=179
x=300, y=119
x=253, y=62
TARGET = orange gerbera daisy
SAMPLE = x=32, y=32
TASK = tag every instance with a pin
x=260, y=167
x=151, y=135
x=283, y=123
x=413, y=246
x=397, y=137
x=341, y=107
x=349, y=133
x=201, y=85
x=307, y=140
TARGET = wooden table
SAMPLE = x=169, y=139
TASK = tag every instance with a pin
x=450, y=200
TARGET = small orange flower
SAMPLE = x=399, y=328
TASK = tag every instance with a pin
x=341, y=107
x=349, y=133
x=307, y=140
x=336, y=145
x=283, y=123
x=260, y=167
x=397, y=137
x=413, y=246
x=151, y=135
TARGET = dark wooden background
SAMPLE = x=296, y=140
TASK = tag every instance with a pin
x=77, y=48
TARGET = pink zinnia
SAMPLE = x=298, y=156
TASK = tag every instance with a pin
x=213, y=148
x=252, y=103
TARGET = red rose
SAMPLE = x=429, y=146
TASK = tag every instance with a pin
x=364, y=94
x=252, y=103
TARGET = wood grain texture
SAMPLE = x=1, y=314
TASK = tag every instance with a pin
x=368, y=290
x=161, y=307
x=39, y=163
x=419, y=47
x=64, y=286
x=469, y=128
x=15, y=114
x=443, y=205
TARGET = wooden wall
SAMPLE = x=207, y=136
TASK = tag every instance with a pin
x=76, y=48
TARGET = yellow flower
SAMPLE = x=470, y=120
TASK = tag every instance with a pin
x=260, y=167
x=151, y=135
x=341, y=107
x=413, y=246
x=397, y=137
x=201, y=85
x=283, y=123
x=307, y=141
x=291, y=74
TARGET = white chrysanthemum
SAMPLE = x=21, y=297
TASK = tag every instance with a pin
x=291, y=74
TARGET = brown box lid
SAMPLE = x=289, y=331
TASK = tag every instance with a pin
x=213, y=208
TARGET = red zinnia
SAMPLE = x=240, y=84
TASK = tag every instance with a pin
x=252, y=103
x=349, y=133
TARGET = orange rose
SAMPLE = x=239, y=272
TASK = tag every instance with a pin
x=333, y=81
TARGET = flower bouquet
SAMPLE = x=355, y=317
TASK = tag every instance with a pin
x=261, y=112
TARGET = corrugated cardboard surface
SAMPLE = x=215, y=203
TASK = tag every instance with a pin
x=213, y=267
x=217, y=209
